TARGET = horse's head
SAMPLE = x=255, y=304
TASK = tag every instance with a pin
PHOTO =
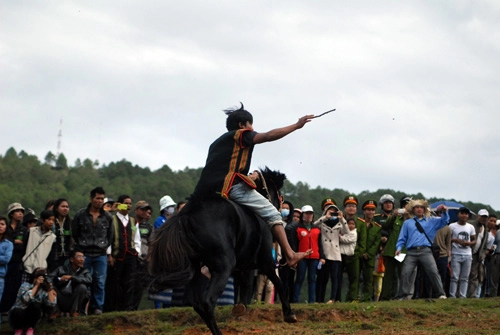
x=269, y=185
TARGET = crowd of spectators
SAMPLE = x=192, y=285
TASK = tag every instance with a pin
x=57, y=265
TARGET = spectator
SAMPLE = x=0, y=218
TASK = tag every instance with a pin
x=352, y=264
x=62, y=228
x=495, y=260
x=142, y=215
x=387, y=206
x=16, y=232
x=123, y=257
x=291, y=235
x=286, y=274
x=332, y=224
x=70, y=282
x=443, y=240
x=308, y=237
x=463, y=237
x=264, y=285
x=92, y=231
x=167, y=209
x=6, y=248
x=29, y=220
x=477, y=271
x=109, y=205
x=391, y=282
x=367, y=260
x=40, y=247
x=379, y=267
x=347, y=246
x=297, y=213
x=32, y=297
x=418, y=248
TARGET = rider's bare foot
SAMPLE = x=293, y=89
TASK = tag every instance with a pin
x=297, y=257
x=205, y=271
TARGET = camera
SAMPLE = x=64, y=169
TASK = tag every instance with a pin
x=46, y=285
x=122, y=207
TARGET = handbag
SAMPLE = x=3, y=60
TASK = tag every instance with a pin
x=436, y=250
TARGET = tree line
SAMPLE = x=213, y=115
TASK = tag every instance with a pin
x=25, y=179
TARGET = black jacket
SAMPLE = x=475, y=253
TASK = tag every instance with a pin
x=92, y=240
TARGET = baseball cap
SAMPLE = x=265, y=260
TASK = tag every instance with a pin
x=307, y=208
x=142, y=204
x=483, y=212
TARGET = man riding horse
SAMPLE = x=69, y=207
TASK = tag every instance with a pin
x=227, y=166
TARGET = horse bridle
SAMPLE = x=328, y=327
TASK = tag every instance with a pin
x=264, y=186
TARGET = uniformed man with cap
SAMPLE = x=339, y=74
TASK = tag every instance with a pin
x=386, y=203
x=351, y=263
x=393, y=267
x=367, y=260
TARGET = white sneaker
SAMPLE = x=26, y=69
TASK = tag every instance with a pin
x=442, y=297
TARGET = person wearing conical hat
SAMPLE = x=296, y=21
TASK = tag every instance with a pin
x=418, y=246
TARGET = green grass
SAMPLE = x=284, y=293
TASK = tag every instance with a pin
x=451, y=316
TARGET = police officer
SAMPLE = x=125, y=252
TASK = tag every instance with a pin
x=367, y=259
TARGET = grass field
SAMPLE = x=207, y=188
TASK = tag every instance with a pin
x=451, y=316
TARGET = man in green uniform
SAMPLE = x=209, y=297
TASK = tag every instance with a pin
x=351, y=263
x=392, y=266
x=367, y=259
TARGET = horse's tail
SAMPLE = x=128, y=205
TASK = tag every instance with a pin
x=169, y=262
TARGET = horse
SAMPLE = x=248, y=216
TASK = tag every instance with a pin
x=228, y=239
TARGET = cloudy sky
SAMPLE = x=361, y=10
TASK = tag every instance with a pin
x=415, y=84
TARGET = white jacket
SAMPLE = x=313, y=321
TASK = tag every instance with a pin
x=348, y=243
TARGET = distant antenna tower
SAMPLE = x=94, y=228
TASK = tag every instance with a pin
x=59, y=137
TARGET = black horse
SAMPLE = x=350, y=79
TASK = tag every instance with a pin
x=225, y=237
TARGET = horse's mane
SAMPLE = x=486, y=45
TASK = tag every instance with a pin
x=276, y=177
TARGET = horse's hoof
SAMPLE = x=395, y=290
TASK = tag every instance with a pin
x=291, y=318
x=239, y=310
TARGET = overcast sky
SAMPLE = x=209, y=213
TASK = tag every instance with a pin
x=415, y=84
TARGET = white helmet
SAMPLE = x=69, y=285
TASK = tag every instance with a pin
x=386, y=198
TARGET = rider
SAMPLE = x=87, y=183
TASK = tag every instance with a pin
x=227, y=166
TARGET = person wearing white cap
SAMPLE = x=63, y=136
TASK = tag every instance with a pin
x=167, y=209
x=477, y=270
x=308, y=236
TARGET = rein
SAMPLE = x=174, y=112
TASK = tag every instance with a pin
x=264, y=186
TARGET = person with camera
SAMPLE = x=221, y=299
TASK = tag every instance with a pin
x=332, y=224
x=123, y=258
x=415, y=235
x=70, y=282
x=32, y=298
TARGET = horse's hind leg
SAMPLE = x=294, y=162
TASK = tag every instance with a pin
x=207, y=291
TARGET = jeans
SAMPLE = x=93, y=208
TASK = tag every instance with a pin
x=244, y=195
x=98, y=266
x=311, y=266
x=460, y=270
x=425, y=258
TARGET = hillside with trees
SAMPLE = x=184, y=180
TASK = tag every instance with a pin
x=25, y=179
